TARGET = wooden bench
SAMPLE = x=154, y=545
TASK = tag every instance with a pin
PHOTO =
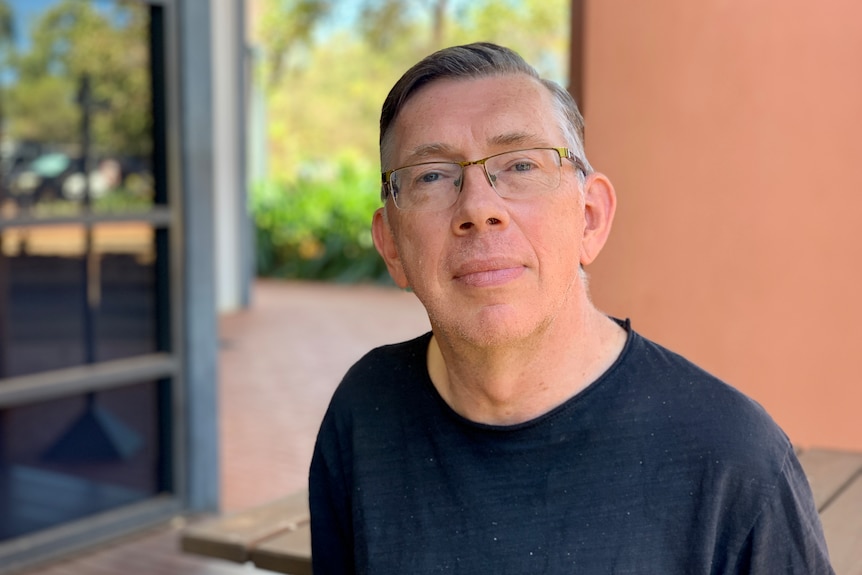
x=836, y=481
x=277, y=537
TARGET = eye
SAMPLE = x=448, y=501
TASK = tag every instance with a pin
x=434, y=174
x=523, y=166
x=521, y=162
x=429, y=177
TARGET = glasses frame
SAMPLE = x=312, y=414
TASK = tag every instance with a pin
x=386, y=177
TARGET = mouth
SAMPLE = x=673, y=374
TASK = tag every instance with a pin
x=488, y=273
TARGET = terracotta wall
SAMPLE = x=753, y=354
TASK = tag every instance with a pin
x=732, y=131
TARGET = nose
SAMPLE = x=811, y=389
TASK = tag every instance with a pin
x=479, y=207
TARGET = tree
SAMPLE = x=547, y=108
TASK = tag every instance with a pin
x=7, y=23
x=7, y=47
x=7, y=33
x=290, y=27
x=74, y=40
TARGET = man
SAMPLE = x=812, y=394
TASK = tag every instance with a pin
x=529, y=432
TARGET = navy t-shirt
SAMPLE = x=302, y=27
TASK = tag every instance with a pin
x=656, y=468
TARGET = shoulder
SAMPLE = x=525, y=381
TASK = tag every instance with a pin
x=694, y=410
x=384, y=367
x=384, y=381
x=374, y=391
x=702, y=434
x=398, y=356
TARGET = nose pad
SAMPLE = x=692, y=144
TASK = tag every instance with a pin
x=477, y=209
x=488, y=177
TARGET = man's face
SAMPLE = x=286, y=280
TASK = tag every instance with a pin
x=487, y=269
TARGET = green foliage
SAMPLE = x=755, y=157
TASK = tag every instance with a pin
x=288, y=25
x=73, y=40
x=317, y=225
x=7, y=25
x=333, y=104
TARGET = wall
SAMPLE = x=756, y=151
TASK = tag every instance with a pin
x=226, y=137
x=232, y=233
x=733, y=134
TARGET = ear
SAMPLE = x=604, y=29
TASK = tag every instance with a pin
x=600, y=204
x=385, y=244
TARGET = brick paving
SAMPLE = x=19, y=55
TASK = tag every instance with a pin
x=279, y=363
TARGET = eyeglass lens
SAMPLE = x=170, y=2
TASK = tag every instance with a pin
x=515, y=174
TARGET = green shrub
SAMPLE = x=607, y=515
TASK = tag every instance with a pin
x=318, y=225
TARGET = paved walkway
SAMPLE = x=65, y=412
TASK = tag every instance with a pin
x=280, y=361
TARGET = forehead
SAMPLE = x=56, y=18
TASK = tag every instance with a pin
x=467, y=115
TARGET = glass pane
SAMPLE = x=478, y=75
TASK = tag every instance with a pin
x=65, y=459
x=71, y=295
x=123, y=292
x=76, y=108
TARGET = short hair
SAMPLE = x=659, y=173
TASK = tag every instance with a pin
x=477, y=60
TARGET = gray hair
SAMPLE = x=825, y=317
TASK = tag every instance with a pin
x=478, y=60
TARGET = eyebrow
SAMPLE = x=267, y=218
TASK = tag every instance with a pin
x=519, y=138
x=437, y=149
x=424, y=151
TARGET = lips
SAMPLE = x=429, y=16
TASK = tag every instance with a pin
x=488, y=273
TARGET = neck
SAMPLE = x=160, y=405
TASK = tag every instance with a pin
x=514, y=383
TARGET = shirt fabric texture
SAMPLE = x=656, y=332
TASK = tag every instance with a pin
x=657, y=467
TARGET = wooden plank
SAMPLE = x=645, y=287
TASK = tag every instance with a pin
x=289, y=552
x=842, y=526
x=232, y=537
x=828, y=471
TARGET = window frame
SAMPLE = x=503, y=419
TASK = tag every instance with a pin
x=177, y=129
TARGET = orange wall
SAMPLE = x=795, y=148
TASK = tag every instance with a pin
x=732, y=132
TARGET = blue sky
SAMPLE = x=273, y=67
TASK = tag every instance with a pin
x=25, y=11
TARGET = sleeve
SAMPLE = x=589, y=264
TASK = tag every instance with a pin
x=787, y=536
x=329, y=504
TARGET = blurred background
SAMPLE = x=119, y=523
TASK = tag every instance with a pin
x=167, y=167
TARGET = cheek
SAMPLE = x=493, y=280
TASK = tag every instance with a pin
x=417, y=258
x=557, y=235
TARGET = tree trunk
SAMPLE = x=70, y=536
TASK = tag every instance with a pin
x=439, y=23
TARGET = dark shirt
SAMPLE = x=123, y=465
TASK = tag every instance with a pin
x=655, y=468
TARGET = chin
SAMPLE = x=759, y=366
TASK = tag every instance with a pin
x=493, y=330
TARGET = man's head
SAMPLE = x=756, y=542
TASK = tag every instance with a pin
x=496, y=256
x=477, y=60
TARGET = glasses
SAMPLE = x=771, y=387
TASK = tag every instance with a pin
x=516, y=174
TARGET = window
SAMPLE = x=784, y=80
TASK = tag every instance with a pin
x=88, y=370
